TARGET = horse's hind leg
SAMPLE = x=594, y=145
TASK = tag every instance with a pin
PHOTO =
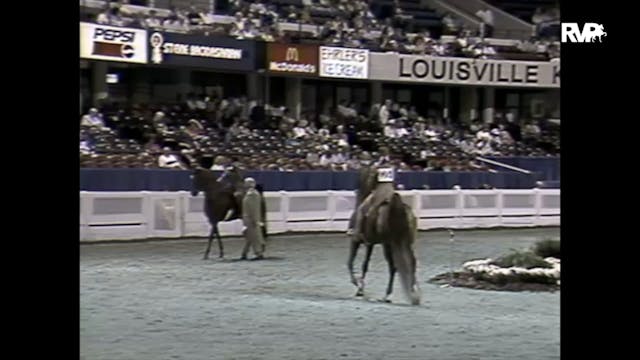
x=365, y=268
x=392, y=271
x=220, y=246
x=353, y=251
x=206, y=252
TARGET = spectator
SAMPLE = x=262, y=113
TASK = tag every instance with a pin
x=219, y=163
x=324, y=133
x=341, y=156
x=325, y=158
x=486, y=24
x=168, y=160
x=152, y=22
x=531, y=131
x=313, y=156
x=301, y=130
x=85, y=145
x=194, y=16
x=483, y=134
x=340, y=137
x=451, y=24
x=93, y=119
x=383, y=114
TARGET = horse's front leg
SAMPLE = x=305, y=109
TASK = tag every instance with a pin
x=220, y=246
x=206, y=252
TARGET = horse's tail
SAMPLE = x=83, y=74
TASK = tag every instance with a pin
x=402, y=227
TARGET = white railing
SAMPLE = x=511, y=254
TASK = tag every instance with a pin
x=141, y=215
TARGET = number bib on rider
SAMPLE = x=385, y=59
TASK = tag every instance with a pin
x=385, y=175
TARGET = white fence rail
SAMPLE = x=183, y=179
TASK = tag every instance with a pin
x=141, y=215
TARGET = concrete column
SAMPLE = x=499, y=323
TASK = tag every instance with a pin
x=468, y=104
x=267, y=89
x=141, y=87
x=488, y=104
x=376, y=92
x=184, y=82
x=294, y=95
x=254, y=86
x=99, y=87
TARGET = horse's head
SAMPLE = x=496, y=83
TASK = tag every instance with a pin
x=201, y=178
x=233, y=177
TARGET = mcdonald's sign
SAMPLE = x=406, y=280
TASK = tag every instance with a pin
x=292, y=58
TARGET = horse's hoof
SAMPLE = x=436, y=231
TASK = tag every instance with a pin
x=205, y=257
x=221, y=256
x=359, y=293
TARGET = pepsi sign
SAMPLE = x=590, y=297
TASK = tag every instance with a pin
x=111, y=43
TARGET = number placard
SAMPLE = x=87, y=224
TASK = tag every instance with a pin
x=385, y=175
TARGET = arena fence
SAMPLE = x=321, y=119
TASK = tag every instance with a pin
x=143, y=215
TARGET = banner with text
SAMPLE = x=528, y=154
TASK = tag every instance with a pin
x=346, y=63
x=463, y=71
x=111, y=43
x=201, y=51
x=298, y=59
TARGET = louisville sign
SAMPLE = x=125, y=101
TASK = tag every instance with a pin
x=464, y=71
x=111, y=43
x=346, y=63
x=292, y=58
x=201, y=51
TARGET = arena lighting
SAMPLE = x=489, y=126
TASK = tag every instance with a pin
x=113, y=78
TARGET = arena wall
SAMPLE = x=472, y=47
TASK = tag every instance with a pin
x=147, y=215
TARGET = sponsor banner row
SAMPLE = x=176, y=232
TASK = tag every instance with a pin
x=109, y=43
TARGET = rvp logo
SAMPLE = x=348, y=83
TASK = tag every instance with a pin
x=591, y=32
x=114, y=35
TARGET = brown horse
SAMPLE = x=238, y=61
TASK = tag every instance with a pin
x=222, y=199
x=394, y=226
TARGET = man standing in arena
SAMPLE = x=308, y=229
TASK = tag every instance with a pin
x=253, y=221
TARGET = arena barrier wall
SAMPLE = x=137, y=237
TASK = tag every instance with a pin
x=179, y=180
x=144, y=215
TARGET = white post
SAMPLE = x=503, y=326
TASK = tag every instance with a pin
x=331, y=207
x=284, y=208
x=147, y=210
x=538, y=205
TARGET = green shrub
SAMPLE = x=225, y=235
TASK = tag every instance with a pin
x=547, y=248
x=527, y=260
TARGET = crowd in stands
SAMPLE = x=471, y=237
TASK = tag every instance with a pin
x=215, y=132
x=348, y=23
